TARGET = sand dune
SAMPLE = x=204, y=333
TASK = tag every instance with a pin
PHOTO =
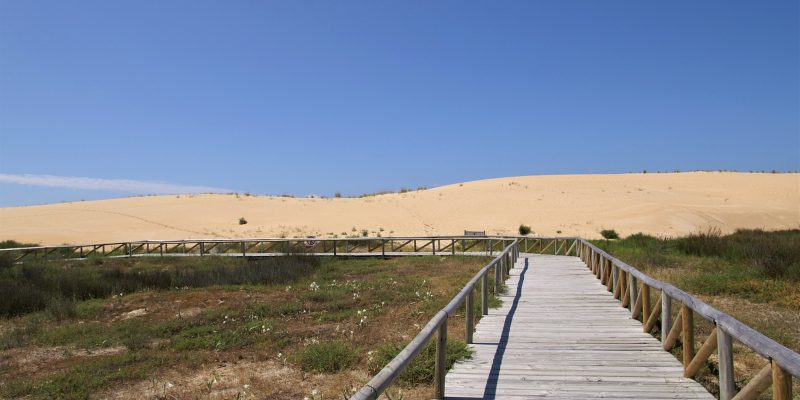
x=665, y=204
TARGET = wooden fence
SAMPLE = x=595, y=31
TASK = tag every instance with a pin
x=634, y=289
x=438, y=325
x=368, y=246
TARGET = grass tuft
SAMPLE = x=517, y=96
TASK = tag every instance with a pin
x=327, y=357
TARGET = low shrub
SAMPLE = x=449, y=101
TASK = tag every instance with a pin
x=609, y=234
x=774, y=254
x=524, y=229
x=326, y=357
x=242, y=221
x=421, y=370
x=33, y=286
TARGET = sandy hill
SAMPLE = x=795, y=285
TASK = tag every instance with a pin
x=666, y=204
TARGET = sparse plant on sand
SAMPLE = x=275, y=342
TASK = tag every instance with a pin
x=242, y=221
x=524, y=229
x=609, y=234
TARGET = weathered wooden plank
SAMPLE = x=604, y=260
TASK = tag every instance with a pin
x=561, y=334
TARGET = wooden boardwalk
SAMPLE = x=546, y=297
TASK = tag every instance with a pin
x=561, y=334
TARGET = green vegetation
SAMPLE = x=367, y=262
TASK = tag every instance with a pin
x=7, y=259
x=524, y=229
x=321, y=315
x=421, y=370
x=81, y=381
x=774, y=254
x=242, y=221
x=609, y=234
x=332, y=356
x=56, y=286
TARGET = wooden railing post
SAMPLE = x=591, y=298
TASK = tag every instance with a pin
x=666, y=316
x=468, y=315
x=687, y=320
x=497, y=277
x=634, y=290
x=614, y=280
x=602, y=265
x=441, y=360
x=485, y=294
x=727, y=388
x=645, y=304
x=781, y=383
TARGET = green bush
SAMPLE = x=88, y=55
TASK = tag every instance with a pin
x=242, y=221
x=609, y=234
x=34, y=286
x=6, y=260
x=524, y=229
x=326, y=357
x=774, y=254
x=421, y=370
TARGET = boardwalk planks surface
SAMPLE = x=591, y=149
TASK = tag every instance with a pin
x=561, y=334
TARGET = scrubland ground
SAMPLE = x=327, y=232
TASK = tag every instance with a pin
x=751, y=275
x=164, y=328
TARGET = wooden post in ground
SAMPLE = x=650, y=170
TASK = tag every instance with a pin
x=468, y=315
x=645, y=304
x=485, y=294
x=634, y=290
x=666, y=316
x=603, y=274
x=727, y=388
x=615, y=280
x=781, y=383
x=441, y=360
x=688, y=335
x=497, y=277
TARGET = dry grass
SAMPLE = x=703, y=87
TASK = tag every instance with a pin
x=240, y=341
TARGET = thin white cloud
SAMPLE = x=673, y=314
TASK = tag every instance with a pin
x=120, y=185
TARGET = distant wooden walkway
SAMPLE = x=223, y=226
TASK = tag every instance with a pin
x=561, y=334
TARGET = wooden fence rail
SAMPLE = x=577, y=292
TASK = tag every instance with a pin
x=367, y=246
x=438, y=325
x=634, y=290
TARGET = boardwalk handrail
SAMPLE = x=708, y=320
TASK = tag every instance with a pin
x=266, y=246
x=622, y=278
x=438, y=323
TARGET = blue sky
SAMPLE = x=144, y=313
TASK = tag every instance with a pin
x=314, y=97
